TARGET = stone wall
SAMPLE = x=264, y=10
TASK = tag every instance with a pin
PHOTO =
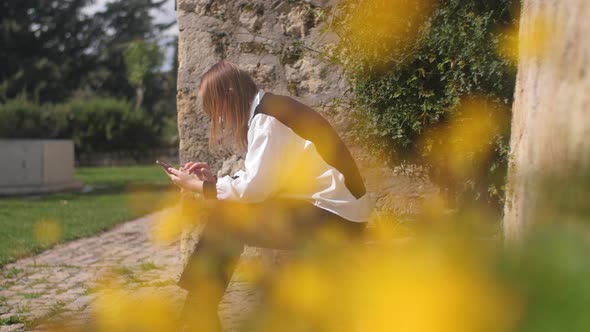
x=270, y=39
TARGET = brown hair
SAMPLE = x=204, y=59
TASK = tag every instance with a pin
x=227, y=93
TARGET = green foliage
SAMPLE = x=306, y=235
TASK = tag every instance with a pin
x=44, y=47
x=108, y=125
x=550, y=270
x=54, y=50
x=406, y=87
x=141, y=60
x=11, y=320
x=549, y=276
x=21, y=118
x=99, y=124
x=291, y=53
x=377, y=34
x=50, y=49
x=125, y=22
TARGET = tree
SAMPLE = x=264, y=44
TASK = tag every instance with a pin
x=45, y=48
x=551, y=116
x=124, y=21
x=141, y=59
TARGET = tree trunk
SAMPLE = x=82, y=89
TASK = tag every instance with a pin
x=139, y=91
x=551, y=111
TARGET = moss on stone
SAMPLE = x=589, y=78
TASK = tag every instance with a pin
x=253, y=47
x=293, y=88
x=257, y=8
x=291, y=54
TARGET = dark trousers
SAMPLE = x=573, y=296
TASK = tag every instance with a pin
x=278, y=224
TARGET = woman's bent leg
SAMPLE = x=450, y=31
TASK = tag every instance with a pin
x=284, y=224
x=206, y=276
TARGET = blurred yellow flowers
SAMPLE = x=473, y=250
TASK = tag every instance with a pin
x=47, y=231
x=118, y=309
x=528, y=39
x=419, y=287
x=466, y=139
x=170, y=223
x=381, y=30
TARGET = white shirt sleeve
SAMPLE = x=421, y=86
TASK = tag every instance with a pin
x=260, y=178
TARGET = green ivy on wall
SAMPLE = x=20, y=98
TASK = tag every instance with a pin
x=421, y=69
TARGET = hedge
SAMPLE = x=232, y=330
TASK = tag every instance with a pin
x=95, y=125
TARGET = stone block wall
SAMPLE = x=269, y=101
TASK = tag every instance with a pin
x=275, y=41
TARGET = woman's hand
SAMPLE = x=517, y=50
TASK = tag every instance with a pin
x=185, y=180
x=201, y=170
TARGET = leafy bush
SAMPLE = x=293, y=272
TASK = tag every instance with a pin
x=21, y=118
x=108, y=125
x=98, y=124
x=415, y=79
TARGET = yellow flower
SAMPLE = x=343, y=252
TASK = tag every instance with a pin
x=47, y=231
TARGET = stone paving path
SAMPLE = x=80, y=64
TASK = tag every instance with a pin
x=60, y=282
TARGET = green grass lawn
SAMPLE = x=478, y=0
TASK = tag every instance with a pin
x=120, y=194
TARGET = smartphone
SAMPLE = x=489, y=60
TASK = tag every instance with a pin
x=164, y=165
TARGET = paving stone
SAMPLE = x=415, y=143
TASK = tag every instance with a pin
x=68, y=273
x=12, y=328
x=5, y=315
